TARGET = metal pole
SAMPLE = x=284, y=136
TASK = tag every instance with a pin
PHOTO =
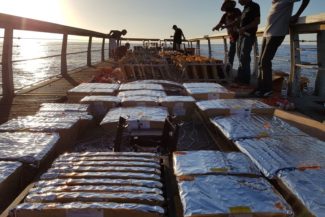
x=7, y=72
x=103, y=50
x=320, y=79
x=89, y=51
x=64, y=67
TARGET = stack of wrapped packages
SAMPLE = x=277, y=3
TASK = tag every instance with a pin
x=213, y=183
x=280, y=150
x=208, y=91
x=98, y=184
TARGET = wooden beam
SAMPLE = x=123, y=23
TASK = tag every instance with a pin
x=7, y=72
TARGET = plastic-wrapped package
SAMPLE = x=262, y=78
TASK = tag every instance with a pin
x=140, y=86
x=287, y=152
x=10, y=178
x=207, y=93
x=99, y=175
x=155, y=93
x=109, y=163
x=100, y=182
x=66, y=197
x=106, y=158
x=84, y=116
x=219, y=195
x=99, y=105
x=233, y=106
x=39, y=124
x=308, y=186
x=201, y=85
x=212, y=162
x=138, y=117
x=72, y=168
x=85, y=89
x=236, y=127
x=78, y=209
x=64, y=107
x=139, y=101
x=178, y=105
x=162, y=82
x=30, y=148
x=104, y=154
x=98, y=188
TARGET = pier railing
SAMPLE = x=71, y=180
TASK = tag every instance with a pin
x=314, y=24
x=11, y=23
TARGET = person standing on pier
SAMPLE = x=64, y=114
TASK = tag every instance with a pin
x=230, y=20
x=177, y=39
x=277, y=27
x=114, y=40
x=249, y=21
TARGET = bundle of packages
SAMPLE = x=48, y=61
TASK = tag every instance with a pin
x=209, y=92
x=180, y=106
x=87, y=89
x=102, y=184
x=139, y=117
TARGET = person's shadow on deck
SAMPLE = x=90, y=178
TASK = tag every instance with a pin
x=5, y=108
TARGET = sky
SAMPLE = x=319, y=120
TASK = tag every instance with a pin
x=141, y=18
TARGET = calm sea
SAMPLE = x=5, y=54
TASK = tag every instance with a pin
x=29, y=69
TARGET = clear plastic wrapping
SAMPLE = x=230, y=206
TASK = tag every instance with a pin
x=109, y=163
x=106, y=158
x=201, y=85
x=68, y=197
x=212, y=162
x=175, y=99
x=66, y=115
x=139, y=101
x=7, y=168
x=233, y=106
x=71, y=168
x=64, y=107
x=94, y=88
x=107, y=154
x=308, y=186
x=99, y=182
x=236, y=127
x=207, y=93
x=91, y=209
x=219, y=195
x=27, y=147
x=287, y=152
x=39, y=124
x=156, y=93
x=94, y=188
x=140, y=86
x=137, y=117
x=99, y=175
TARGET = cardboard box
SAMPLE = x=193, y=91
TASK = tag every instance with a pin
x=181, y=106
x=208, y=93
x=217, y=107
x=131, y=101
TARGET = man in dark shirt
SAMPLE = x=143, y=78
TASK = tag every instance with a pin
x=177, y=38
x=247, y=36
x=230, y=20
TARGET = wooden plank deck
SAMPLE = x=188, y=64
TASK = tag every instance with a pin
x=27, y=102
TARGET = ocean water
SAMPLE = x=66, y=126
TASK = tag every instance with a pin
x=31, y=66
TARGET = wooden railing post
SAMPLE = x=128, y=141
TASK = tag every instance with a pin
x=8, y=88
x=320, y=79
x=209, y=47
x=198, y=48
x=295, y=71
x=64, y=66
x=89, y=51
x=103, y=50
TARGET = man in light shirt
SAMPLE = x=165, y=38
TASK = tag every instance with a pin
x=277, y=27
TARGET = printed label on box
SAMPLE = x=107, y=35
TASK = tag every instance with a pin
x=85, y=213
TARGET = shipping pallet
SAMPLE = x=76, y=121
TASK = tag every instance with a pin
x=146, y=71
